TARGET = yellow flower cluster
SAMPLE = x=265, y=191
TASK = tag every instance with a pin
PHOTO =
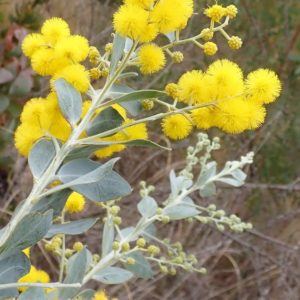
x=237, y=103
x=75, y=203
x=55, y=52
x=143, y=20
x=134, y=132
x=216, y=12
x=33, y=276
x=100, y=296
x=40, y=117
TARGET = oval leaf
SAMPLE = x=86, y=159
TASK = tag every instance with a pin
x=71, y=228
x=108, y=236
x=117, y=52
x=113, y=275
x=147, y=207
x=108, y=119
x=11, y=269
x=69, y=99
x=40, y=157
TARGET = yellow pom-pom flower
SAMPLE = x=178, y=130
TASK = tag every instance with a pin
x=133, y=21
x=263, y=86
x=100, y=295
x=41, y=61
x=151, y=58
x=238, y=115
x=171, y=15
x=75, y=203
x=176, y=127
x=192, y=88
x=75, y=48
x=225, y=80
x=55, y=29
x=204, y=117
x=210, y=48
x=32, y=43
x=76, y=75
x=215, y=12
x=34, y=276
x=26, y=136
x=141, y=3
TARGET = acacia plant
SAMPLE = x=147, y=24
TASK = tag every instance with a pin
x=64, y=137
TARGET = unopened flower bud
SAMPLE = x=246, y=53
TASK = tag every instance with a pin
x=177, y=57
x=210, y=48
x=235, y=43
x=153, y=250
x=115, y=245
x=125, y=247
x=78, y=246
x=130, y=261
x=141, y=243
x=147, y=104
x=207, y=34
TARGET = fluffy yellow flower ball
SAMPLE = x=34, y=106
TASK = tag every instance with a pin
x=32, y=43
x=40, y=117
x=237, y=115
x=263, y=86
x=76, y=75
x=100, y=296
x=192, y=88
x=75, y=48
x=133, y=21
x=171, y=15
x=176, y=127
x=151, y=58
x=204, y=118
x=75, y=203
x=141, y=3
x=55, y=29
x=224, y=80
x=34, y=275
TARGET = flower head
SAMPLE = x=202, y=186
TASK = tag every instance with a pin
x=225, y=80
x=133, y=21
x=34, y=275
x=32, y=43
x=210, y=48
x=55, y=29
x=151, y=58
x=75, y=203
x=75, y=48
x=171, y=15
x=192, y=87
x=204, y=117
x=215, y=12
x=76, y=75
x=176, y=127
x=263, y=86
x=100, y=295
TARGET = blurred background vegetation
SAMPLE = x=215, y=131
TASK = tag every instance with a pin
x=262, y=264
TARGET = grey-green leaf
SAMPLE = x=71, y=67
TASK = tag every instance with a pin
x=11, y=269
x=33, y=293
x=108, y=236
x=208, y=190
x=108, y=119
x=31, y=229
x=72, y=228
x=117, y=52
x=182, y=210
x=69, y=99
x=56, y=202
x=141, y=268
x=40, y=157
x=95, y=181
x=86, y=295
x=113, y=275
x=76, y=268
x=147, y=207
